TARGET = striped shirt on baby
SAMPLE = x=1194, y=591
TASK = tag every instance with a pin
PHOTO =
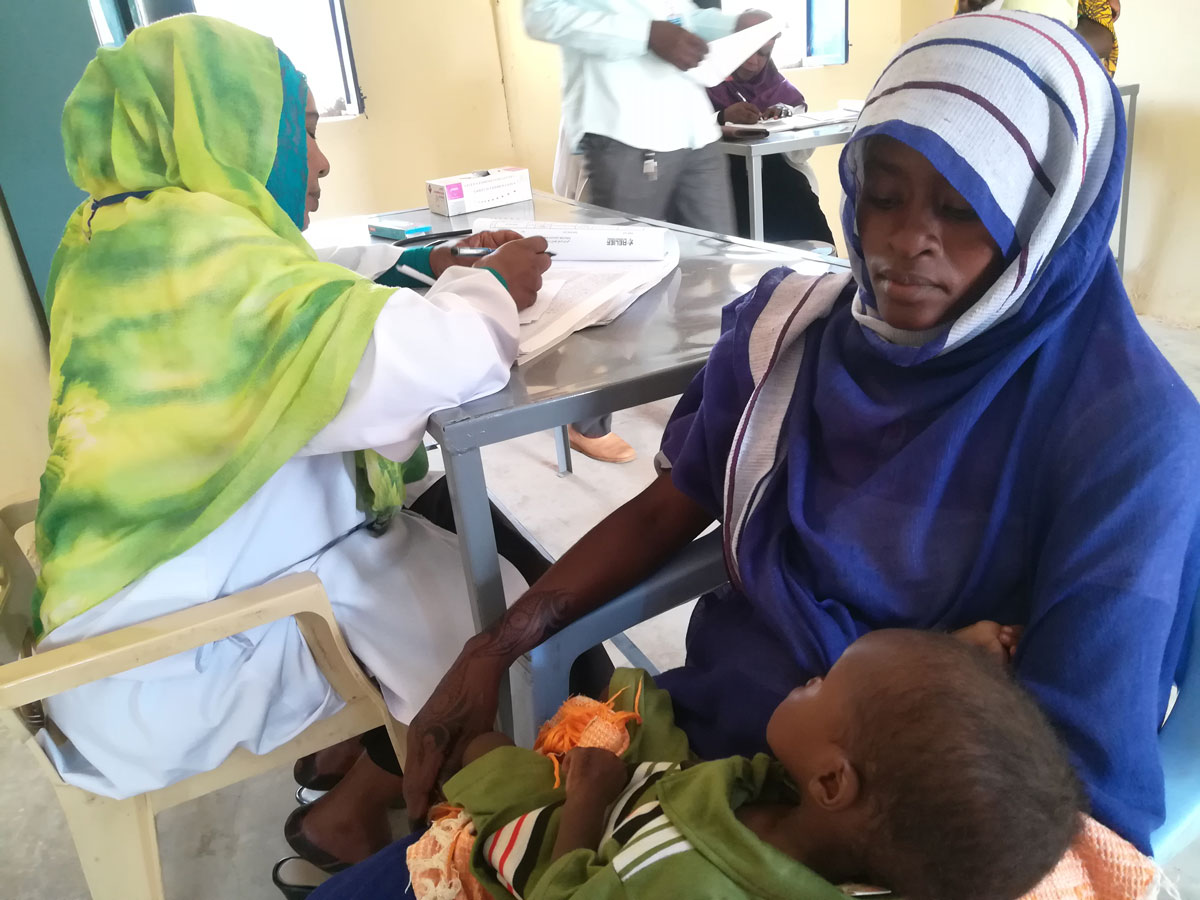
x=673, y=831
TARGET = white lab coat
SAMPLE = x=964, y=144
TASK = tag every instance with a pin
x=400, y=598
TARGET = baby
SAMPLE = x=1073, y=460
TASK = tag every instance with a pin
x=917, y=763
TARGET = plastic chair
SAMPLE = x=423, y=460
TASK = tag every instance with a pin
x=696, y=569
x=1179, y=748
x=116, y=839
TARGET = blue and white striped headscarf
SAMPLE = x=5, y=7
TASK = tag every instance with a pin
x=1036, y=148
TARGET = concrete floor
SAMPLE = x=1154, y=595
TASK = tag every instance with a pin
x=222, y=847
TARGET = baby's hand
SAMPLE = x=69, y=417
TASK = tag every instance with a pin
x=999, y=641
x=595, y=773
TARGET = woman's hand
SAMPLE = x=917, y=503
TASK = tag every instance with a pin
x=462, y=707
x=778, y=111
x=441, y=258
x=621, y=551
x=742, y=114
x=520, y=264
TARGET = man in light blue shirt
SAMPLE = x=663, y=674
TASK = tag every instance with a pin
x=646, y=129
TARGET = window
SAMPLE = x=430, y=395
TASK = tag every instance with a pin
x=816, y=32
x=311, y=32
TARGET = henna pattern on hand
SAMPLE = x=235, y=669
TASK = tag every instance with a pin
x=531, y=620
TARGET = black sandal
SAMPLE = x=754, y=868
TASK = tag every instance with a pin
x=295, y=885
x=305, y=774
x=293, y=833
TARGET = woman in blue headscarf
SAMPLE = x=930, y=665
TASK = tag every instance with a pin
x=973, y=427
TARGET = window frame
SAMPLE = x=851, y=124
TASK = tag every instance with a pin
x=810, y=60
x=124, y=16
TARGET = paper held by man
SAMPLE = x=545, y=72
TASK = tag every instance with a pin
x=727, y=53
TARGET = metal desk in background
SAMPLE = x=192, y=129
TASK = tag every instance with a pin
x=754, y=150
x=649, y=353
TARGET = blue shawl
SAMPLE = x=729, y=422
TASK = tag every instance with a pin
x=1034, y=461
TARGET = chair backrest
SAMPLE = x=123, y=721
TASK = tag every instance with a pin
x=17, y=580
x=1179, y=748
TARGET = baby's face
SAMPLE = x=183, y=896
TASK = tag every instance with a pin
x=812, y=719
x=815, y=720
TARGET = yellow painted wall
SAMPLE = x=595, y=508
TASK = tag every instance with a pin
x=435, y=104
x=25, y=394
x=918, y=14
x=532, y=72
x=1158, y=51
x=874, y=37
x=533, y=85
x=1164, y=207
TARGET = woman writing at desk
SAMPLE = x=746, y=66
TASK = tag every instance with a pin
x=973, y=427
x=227, y=409
x=757, y=90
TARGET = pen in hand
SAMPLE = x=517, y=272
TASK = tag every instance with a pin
x=477, y=252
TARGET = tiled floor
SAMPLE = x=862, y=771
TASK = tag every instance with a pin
x=222, y=846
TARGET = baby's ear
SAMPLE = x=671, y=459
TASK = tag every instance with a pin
x=836, y=785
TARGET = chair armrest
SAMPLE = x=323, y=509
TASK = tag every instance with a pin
x=302, y=596
x=697, y=568
x=18, y=511
x=1179, y=751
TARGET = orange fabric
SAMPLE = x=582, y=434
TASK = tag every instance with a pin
x=584, y=722
x=1100, y=865
x=439, y=864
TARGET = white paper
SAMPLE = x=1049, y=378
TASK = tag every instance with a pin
x=572, y=241
x=828, y=116
x=728, y=53
x=578, y=295
x=795, y=122
x=550, y=289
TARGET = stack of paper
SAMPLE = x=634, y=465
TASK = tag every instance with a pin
x=578, y=294
x=796, y=122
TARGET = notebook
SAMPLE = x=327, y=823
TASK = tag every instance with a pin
x=796, y=122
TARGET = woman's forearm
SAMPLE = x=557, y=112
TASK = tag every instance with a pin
x=622, y=550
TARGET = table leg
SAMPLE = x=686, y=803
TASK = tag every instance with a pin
x=477, y=544
x=755, y=185
x=1130, y=122
x=563, y=447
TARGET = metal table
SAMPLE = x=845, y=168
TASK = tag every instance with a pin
x=754, y=150
x=649, y=353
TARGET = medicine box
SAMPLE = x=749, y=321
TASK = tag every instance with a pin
x=478, y=190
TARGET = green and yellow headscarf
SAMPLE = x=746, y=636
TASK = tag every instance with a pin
x=196, y=341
